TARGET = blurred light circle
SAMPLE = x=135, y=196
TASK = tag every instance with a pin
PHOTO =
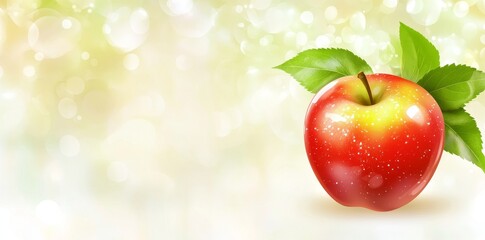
x=117, y=172
x=48, y=35
x=338, y=40
x=131, y=61
x=183, y=62
x=357, y=21
x=322, y=41
x=266, y=40
x=289, y=38
x=331, y=13
x=195, y=23
x=252, y=32
x=453, y=50
x=470, y=30
x=2, y=30
x=85, y=56
x=78, y=4
x=461, y=9
x=247, y=47
x=139, y=21
x=348, y=34
x=278, y=19
x=226, y=122
x=13, y=114
x=66, y=23
x=49, y=212
x=482, y=54
x=126, y=29
x=482, y=39
x=196, y=47
x=151, y=104
x=39, y=56
x=29, y=71
x=364, y=45
x=481, y=6
x=387, y=53
x=74, y=85
x=390, y=3
x=239, y=9
x=423, y=12
x=290, y=54
x=222, y=124
x=414, y=6
x=69, y=145
x=301, y=38
x=260, y=4
x=96, y=104
x=67, y=108
x=18, y=11
x=134, y=138
x=179, y=7
x=306, y=17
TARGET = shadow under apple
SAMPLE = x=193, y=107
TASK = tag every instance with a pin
x=422, y=205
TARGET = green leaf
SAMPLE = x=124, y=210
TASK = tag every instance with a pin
x=315, y=68
x=453, y=85
x=463, y=137
x=419, y=56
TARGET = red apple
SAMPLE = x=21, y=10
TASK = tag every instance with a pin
x=377, y=155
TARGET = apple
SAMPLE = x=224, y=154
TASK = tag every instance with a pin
x=374, y=141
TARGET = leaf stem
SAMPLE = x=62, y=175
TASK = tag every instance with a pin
x=363, y=78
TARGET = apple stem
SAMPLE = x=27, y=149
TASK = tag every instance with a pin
x=363, y=78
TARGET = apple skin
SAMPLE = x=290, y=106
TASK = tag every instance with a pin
x=378, y=156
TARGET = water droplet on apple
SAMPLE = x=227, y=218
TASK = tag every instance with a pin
x=375, y=181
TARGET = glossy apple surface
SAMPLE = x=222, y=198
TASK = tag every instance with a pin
x=378, y=156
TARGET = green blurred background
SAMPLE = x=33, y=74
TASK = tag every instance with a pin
x=163, y=119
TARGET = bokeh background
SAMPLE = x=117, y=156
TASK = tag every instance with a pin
x=163, y=119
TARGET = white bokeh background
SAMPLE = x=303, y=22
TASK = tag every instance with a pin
x=165, y=120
